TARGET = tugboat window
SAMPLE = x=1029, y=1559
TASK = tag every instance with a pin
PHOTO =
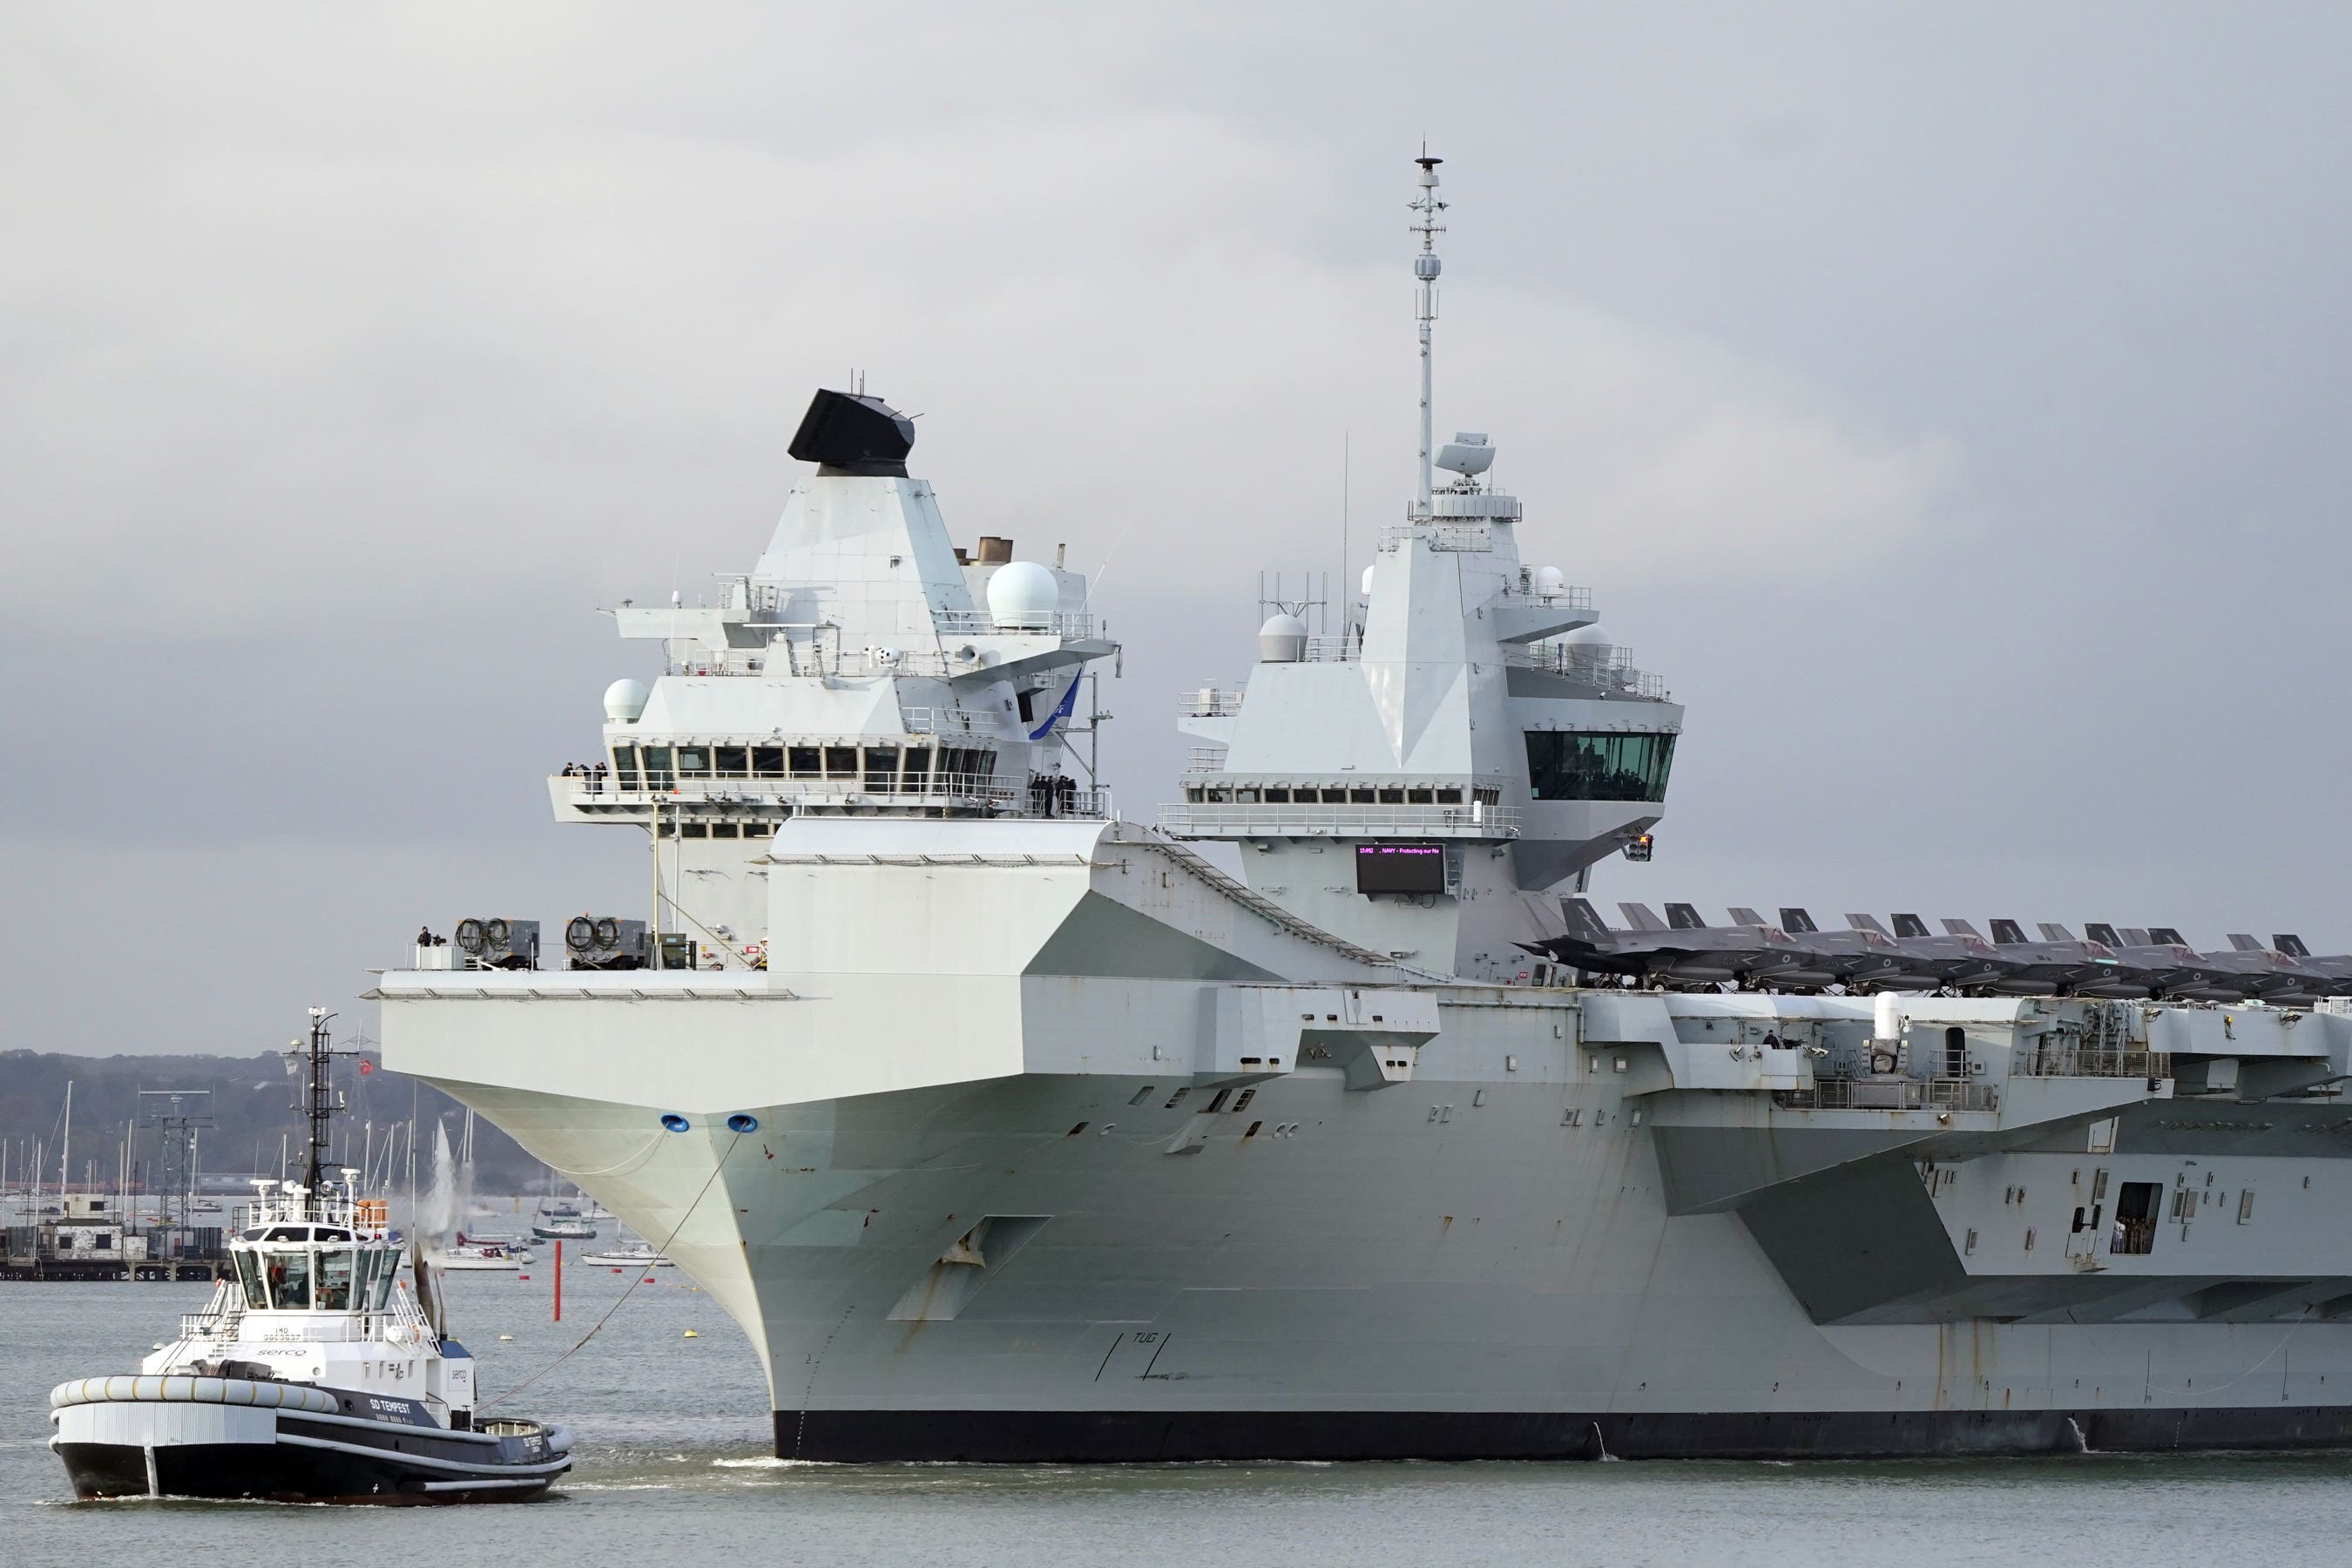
x=248, y=1273
x=289, y=1279
x=387, y=1280
x=1570, y=765
x=335, y=1280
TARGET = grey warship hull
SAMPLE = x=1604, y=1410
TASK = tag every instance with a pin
x=1512, y=1246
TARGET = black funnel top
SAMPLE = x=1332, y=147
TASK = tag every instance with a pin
x=850, y=432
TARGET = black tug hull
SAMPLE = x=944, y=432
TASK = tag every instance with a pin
x=280, y=1472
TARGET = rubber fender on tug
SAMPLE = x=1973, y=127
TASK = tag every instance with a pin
x=192, y=1390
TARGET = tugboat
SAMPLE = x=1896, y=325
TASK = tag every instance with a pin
x=312, y=1375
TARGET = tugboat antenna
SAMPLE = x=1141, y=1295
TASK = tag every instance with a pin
x=318, y=1106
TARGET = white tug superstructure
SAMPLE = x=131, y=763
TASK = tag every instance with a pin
x=1010, y=1129
x=314, y=1374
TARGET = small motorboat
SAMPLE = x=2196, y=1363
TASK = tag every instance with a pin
x=564, y=1222
x=636, y=1256
x=471, y=1254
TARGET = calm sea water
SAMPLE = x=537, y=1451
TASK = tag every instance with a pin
x=672, y=1436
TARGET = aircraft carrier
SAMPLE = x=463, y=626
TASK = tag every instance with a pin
x=1009, y=1127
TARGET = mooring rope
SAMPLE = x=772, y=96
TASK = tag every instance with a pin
x=717, y=1165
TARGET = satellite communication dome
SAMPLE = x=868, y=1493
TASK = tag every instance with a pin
x=1281, y=640
x=1549, y=582
x=1594, y=635
x=1368, y=582
x=1023, y=594
x=623, y=702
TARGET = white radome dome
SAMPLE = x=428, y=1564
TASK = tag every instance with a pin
x=625, y=700
x=1549, y=582
x=1281, y=640
x=1594, y=635
x=1023, y=594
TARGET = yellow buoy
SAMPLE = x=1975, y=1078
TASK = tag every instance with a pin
x=692, y=1335
x=506, y=1336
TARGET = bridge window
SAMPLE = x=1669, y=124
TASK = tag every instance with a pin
x=1419, y=798
x=694, y=762
x=722, y=830
x=841, y=763
x=248, y=1273
x=1449, y=798
x=1359, y=797
x=768, y=762
x=731, y=761
x=1277, y=794
x=335, y=1280
x=289, y=1279
x=625, y=767
x=1571, y=764
x=807, y=763
x=2136, y=1217
x=387, y=1278
x=1391, y=797
x=919, y=768
x=658, y=774
x=1334, y=797
x=882, y=768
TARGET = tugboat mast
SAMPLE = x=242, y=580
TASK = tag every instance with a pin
x=318, y=1105
x=1425, y=269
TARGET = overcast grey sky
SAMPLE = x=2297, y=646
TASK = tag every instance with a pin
x=1950, y=401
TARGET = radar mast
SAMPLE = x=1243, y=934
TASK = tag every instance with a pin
x=1425, y=269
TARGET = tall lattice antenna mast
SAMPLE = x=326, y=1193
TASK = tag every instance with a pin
x=1426, y=268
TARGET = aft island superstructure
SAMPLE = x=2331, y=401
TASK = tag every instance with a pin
x=1009, y=1127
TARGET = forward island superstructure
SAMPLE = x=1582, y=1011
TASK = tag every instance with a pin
x=1010, y=1128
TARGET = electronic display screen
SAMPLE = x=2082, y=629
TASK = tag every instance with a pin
x=1400, y=867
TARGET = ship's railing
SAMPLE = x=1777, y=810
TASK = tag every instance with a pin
x=970, y=623
x=818, y=659
x=1204, y=759
x=2046, y=1060
x=1892, y=1094
x=1187, y=819
x=218, y=1321
x=1342, y=649
x=1609, y=669
x=1209, y=702
x=961, y=792
x=937, y=721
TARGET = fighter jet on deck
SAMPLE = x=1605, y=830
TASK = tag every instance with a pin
x=1680, y=951
x=1964, y=962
